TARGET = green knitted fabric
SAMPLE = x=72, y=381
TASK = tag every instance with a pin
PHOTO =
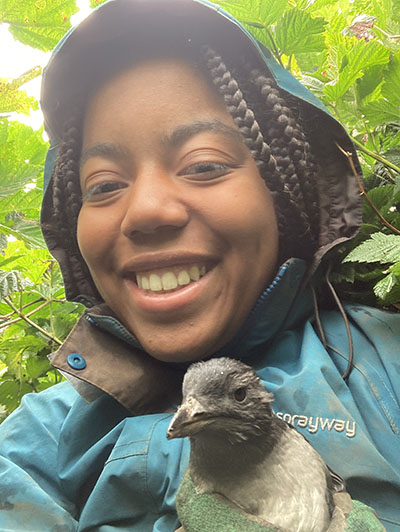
x=208, y=513
x=204, y=512
x=362, y=519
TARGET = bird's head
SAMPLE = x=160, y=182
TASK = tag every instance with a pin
x=225, y=398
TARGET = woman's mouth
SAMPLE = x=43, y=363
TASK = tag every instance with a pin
x=171, y=278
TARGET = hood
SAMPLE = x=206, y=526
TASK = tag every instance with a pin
x=134, y=24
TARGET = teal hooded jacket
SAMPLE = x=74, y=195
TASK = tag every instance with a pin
x=91, y=454
x=84, y=461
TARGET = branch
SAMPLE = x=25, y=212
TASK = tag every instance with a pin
x=32, y=323
x=385, y=33
x=15, y=320
x=376, y=156
x=6, y=316
x=363, y=193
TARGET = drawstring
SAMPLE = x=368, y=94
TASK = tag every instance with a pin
x=321, y=333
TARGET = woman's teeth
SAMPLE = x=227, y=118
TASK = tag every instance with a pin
x=170, y=280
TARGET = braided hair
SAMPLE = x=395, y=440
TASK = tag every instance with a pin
x=270, y=129
x=282, y=155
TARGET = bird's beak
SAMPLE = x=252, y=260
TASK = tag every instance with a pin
x=188, y=419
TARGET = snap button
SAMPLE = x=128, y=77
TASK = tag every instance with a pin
x=76, y=361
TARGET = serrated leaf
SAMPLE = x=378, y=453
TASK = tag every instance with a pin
x=369, y=87
x=384, y=198
x=270, y=11
x=378, y=248
x=255, y=12
x=381, y=111
x=38, y=23
x=388, y=289
x=243, y=13
x=9, y=283
x=382, y=10
x=360, y=56
x=298, y=32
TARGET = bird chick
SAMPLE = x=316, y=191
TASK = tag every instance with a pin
x=241, y=451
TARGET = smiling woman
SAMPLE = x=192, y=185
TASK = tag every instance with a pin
x=167, y=198
x=193, y=188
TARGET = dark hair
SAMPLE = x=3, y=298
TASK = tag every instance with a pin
x=271, y=129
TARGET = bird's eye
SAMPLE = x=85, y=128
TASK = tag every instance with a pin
x=240, y=394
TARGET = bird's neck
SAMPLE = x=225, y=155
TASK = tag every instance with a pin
x=212, y=456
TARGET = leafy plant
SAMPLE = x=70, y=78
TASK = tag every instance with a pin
x=347, y=53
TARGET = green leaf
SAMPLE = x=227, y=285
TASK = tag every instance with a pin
x=11, y=393
x=37, y=366
x=382, y=10
x=255, y=12
x=298, y=32
x=14, y=100
x=379, y=248
x=10, y=260
x=384, y=198
x=381, y=111
x=9, y=283
x=360, y=56
x=96, y=3
x=38, y=23
x=388, y=289
x=391, y=85
x=21, y=158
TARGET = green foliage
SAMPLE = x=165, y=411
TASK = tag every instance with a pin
x=38, y=23
x=348, y=53
x=34, y=316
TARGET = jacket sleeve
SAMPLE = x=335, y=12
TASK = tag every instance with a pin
x=30, y=492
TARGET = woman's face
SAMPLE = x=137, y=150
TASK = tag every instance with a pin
x=177, y=227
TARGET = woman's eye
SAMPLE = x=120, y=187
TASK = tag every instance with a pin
x=205, y=170
x=102, y=188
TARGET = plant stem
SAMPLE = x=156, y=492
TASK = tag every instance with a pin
x=15, y=320
x=32, y=323
x=6, y=316
x=363, y=193
x=376, y=156
x=277, y=54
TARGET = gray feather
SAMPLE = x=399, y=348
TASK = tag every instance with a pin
x=242, y=451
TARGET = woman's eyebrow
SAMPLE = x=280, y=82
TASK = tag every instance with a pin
x=183, y=133
x=103, y=149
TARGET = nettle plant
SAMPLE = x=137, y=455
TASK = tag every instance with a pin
x=347, y=53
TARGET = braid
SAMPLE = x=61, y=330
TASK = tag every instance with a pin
x=281, y=153
x=66, y=189
x=67, y=200
x=292, y=152
x=242, y=116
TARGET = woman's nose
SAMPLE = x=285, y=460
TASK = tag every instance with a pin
x=154, y=204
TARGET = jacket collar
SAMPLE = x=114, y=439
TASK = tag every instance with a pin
x=100, y=354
